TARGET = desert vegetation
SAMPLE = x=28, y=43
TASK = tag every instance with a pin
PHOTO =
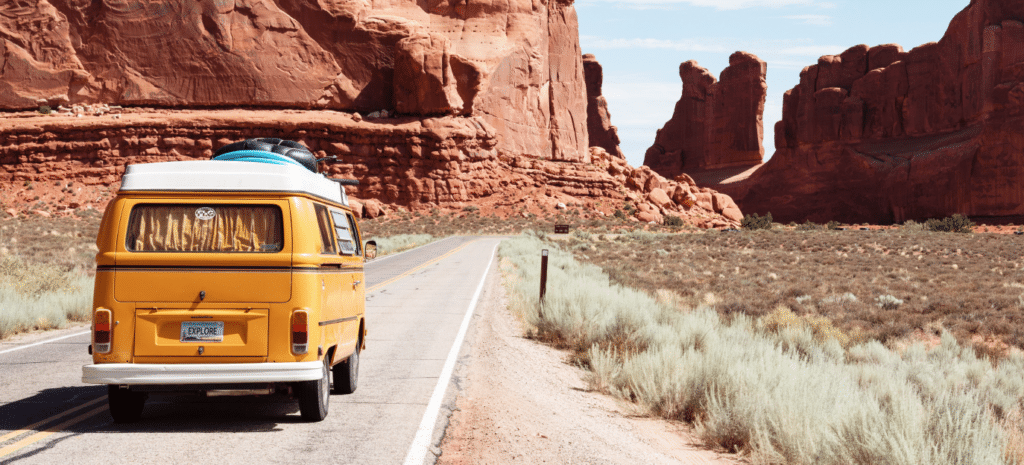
x=886, y=285
x=400, y=243
x=45, y=272
x=782, y=385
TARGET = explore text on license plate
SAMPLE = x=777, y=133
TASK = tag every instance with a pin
x=202, y=331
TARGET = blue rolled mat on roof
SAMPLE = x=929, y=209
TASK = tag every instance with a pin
x=257, y=156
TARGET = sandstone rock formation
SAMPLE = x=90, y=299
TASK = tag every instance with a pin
x=716, y=124
x=880, y=135
x=428, y=103
x=515, y=64
x=599, y=121
x=51, y=164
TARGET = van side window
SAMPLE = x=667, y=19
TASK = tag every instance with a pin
x=326, y=232
x=355, y=234
x=346, y=240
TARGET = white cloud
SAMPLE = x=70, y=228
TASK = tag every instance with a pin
x=813, y=20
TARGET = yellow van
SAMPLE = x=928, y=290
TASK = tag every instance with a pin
x=240, y=275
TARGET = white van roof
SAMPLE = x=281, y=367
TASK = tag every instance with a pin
x=230, y=176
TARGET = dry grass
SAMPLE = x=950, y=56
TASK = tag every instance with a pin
x=858, y=285
x=782, y=388
x=45, y=268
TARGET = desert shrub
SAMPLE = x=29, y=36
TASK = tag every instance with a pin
x=671, y=220
x=832, y=225
x=808, y=225
x=581, y=234
x=45, y=110
x=471, y=208
x=754, y=221
x=37, y=296
x=957, y=223
x=619, y=214
x=911, y=225
x=888, y=302
x=783, y=395
x=401, y=242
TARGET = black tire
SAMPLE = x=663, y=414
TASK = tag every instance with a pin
x=346, y=374
x=304, y=157
x=270, y=140
x=125, y=405
x=315, y=396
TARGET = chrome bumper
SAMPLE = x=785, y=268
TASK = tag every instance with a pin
x=187, y=373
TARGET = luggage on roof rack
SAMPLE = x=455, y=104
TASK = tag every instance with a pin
x=269, y=150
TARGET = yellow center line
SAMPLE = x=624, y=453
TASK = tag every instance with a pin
x=420, y=267
x=49, y=431
x=28, y=428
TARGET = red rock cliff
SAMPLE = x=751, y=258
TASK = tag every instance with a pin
x=715, y=124
x=881, y=135
x=599, y=121
x=516, y=64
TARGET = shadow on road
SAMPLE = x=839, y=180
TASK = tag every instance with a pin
x=46, y=403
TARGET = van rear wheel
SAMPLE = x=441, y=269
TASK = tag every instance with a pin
x=125, y=405
x=314, y=396
x=346, y=374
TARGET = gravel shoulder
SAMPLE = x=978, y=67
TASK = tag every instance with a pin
x=519, y=402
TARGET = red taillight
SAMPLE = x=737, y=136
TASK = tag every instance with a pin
x=300, y=332
x=101, y=334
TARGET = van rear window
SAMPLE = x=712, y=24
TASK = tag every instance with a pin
x=205, y=228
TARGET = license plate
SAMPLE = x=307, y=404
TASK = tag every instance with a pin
x=202, y=331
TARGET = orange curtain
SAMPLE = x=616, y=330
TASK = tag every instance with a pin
x=205, y=228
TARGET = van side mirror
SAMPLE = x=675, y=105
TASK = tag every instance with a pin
x=370, y=251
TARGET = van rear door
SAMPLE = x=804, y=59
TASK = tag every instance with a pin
x=202, y=273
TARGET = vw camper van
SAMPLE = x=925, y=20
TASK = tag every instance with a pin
x=239, y=275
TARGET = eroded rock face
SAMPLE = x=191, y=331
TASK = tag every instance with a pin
x=716, y=124
x=516, y=64
x=56, y=163
x=881, y=135
x=599, y=121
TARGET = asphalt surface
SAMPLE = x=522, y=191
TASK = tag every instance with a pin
x=416, y=302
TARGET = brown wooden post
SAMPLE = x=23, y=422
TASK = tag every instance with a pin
x=543, y=279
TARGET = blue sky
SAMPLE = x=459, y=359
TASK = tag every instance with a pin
x=640, y=44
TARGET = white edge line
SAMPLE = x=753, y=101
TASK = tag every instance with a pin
x=42, y=342
x=418, y=450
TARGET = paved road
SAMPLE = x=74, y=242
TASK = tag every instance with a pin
x=416, y=302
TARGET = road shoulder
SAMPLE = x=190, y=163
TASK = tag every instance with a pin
x=517, y=401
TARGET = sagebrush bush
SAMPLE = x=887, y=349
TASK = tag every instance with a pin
x=672, y=220
x=785, y=395
x=957, y=223
x=754, y=221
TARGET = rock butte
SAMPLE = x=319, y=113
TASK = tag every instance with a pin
x=879, y=135
x=428, y=103
x=599, y=121
x=716, y=124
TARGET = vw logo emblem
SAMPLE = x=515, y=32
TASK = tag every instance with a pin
x=205, y=213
